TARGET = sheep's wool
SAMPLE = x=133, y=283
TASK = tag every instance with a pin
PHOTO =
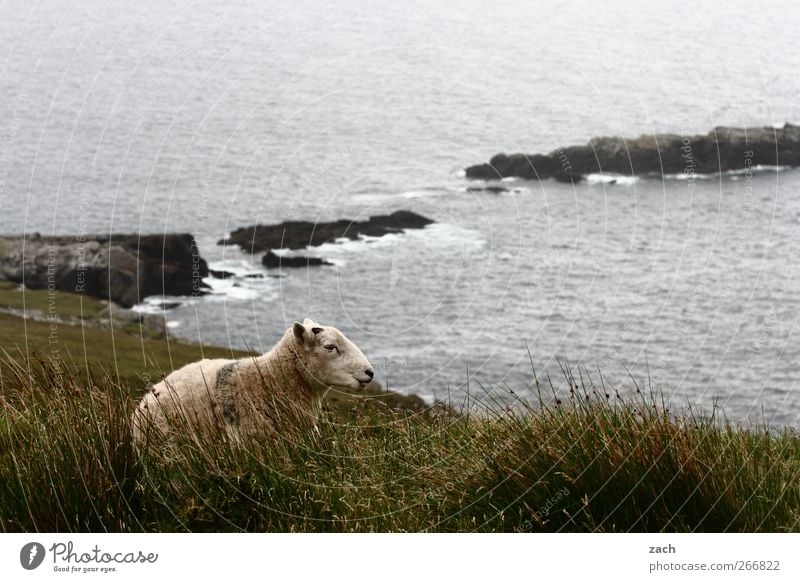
x=249, y=394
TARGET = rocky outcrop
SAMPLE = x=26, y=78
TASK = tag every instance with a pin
x=273, y=261
x=120, y=268
x=302, y=234
x=221, y=274
x=722, y=149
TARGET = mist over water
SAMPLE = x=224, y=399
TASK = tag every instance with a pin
x=207, y=117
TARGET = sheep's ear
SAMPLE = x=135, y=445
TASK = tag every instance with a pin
x=309, y=322
x=299, y=330
x=316, y=330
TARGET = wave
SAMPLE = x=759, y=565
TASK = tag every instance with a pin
x=236, y=289
x=239, y=267
x=443, y=234
x=757, y=169
x=424, y=193
x=434, y=235
x=620, y=179
x=437, y=235
x=247, y=282
x=157, y=304
x=415, y=193
x=625, y=180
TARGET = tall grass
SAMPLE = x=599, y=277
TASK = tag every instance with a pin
x=578, y=461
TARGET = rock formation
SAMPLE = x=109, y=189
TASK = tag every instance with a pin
x=120, y=268
x=302, y=234
x=722, y=149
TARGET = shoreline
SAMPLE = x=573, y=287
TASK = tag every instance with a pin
x=78, y=327
x=721, y=150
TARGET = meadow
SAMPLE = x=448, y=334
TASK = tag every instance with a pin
x=583, y=457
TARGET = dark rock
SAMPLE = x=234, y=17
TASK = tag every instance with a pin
x=569, y=177
x=120, y=268
x=492, y=189
x=172, y=265
x=220, y=274
x=302, y=234
x=273, y=261
x=722, y=149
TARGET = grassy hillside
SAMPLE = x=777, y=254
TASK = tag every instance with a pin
x=587, y=464
x=133, y=356
x=63, y=305
x=582, y=461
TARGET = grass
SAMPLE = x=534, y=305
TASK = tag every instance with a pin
x=580, y=461
x=133, y=356
x=584, y=459
x=64, y=305
x=131, y=359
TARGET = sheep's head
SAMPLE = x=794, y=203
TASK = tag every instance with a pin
x=329, y=358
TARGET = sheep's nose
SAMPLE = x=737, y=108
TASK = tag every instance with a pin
x=369, y=373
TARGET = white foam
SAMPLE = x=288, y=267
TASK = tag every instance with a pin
x=757, y=169
x=607, y=178
x=434, y=235
x=346, y=245
x=154, y=304
x=683, y=176
x=249, y=280
x=411, y=194
x=442, y=234
x=235, y=293
x=238, y=289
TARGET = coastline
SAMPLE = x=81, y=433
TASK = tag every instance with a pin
x=722, y=149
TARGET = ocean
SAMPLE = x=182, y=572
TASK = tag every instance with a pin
x=204, y=117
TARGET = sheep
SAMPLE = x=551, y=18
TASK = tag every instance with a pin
x=246, y=395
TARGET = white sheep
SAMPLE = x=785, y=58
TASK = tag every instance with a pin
x=245, y=395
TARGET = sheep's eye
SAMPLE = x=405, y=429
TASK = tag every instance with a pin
x=330, y=347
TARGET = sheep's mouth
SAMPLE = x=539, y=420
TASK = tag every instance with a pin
x=363, y=383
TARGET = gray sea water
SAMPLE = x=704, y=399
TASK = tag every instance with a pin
x=208, y=116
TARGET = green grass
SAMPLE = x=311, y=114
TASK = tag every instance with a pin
x=136, y=360
x=130, y=358
x=63, y=305
x=133, y=356
x=581, y=462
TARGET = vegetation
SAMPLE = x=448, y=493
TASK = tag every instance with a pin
x=132, y=356
x=584, y=458
x=64, y=305
x=587, y=464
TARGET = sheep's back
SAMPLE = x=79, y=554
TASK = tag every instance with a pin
x=187, y=392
